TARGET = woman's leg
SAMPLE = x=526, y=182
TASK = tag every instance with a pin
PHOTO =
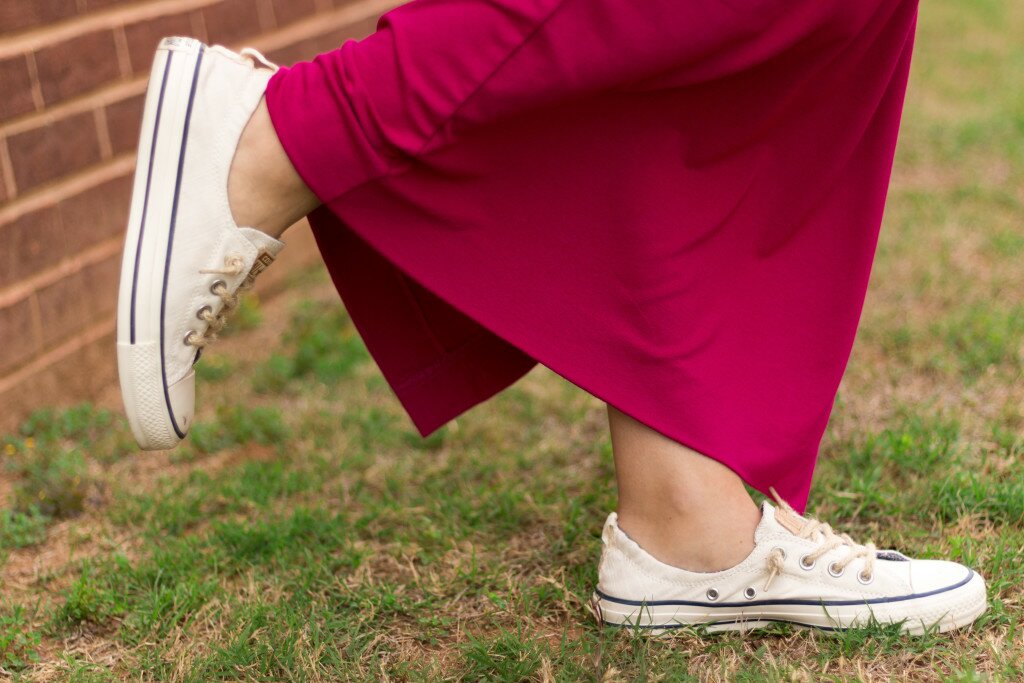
x=685, y=509
x=264, y=190
x=687, y=546
x=356, y=112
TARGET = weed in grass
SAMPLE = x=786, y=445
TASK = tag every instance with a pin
x=80, y=671
x=236, y=425
x=22, y=528
x=984, y=334
x=90, y=599
x=55, y=483
x=373, y=427
x=506, y=656
x=966, y=491
x=247, y=316
x=48, y=459
x=433, y=442
x=96, y=432
x=878, y=473
x=18, y=640
x=320, y=343
x=1008, y=244
x=214, y=368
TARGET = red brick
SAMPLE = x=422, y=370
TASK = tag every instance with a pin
x=32, y=243
x=296, y=52
x=46, y=153
x=334, y=39
x=3, y=185
x=96, y=215
x=84, y=373
x=16, y=15
x=231, y=21
x=17, y=340
x=76, y=66
x=17, y=87
x=99, y=285
x=310, y=47
x=144, y=36
x=288, y=11
x=62, y=309
x=124, y=118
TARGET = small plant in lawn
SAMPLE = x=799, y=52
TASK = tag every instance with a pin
x=321, y=343
x=18, y=640
x=236, y=425
x=247, y=316
x=54, y=483
x=22, y=528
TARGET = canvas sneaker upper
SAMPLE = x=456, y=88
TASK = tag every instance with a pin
x=185, y=257
x=800, y=571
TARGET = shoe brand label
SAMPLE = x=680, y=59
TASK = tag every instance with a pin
x=789, y=521
x=179, y=41
x=263, y=261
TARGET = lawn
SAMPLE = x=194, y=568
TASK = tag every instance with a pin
x=306, y=531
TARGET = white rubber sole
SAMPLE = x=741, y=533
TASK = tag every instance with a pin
x=148, y=245
x=936, y=611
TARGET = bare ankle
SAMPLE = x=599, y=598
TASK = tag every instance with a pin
x=706, y=542
x=264, y=190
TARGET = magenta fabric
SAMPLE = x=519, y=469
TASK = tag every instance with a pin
x=673, y=204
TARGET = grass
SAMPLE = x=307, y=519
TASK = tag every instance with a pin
x=306, y=531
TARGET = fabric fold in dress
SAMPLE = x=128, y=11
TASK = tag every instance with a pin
x=674, y=205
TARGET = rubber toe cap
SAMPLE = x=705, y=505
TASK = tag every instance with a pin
x=183, y=401
x=933, y=575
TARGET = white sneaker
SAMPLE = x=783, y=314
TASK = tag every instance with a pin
x=800, y=572
x=185, y=258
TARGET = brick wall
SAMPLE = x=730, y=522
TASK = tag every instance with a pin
x=72, y=78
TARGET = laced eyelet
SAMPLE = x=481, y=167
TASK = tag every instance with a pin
x=804, y=564
x=216, y=285
x=203, y=312
x=712, y=594
x=782, y=551
x=865, y=579
x=188, y=337
x=749, y=593
x=836, y=573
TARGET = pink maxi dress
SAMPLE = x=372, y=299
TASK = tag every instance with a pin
x=673, y=204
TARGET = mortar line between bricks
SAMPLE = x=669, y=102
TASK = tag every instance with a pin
x=116, y=92
x=49, y=358
x=33, y=77
x=7, y=168
x=45, y=36
x=99, y=115
x=23, y=289
x=67, y=187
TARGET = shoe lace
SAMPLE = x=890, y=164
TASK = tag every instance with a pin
x=829, y=540
x=256, y=56
x=233, y=267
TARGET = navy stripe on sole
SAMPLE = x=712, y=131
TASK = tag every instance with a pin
x=145, y=201
x=752, y=603
x=170, y=241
